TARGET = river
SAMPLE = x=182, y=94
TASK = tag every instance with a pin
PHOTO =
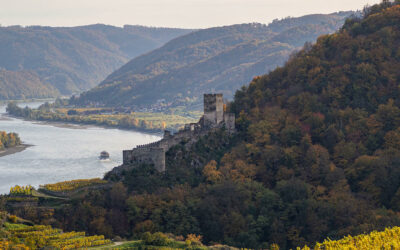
x=62, y=153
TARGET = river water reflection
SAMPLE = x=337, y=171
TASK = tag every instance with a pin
x=62, y=153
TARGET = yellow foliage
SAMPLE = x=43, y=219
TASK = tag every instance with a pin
x=211, y=173
x=238, y=170
x=8, y=245
x=13, y=218
x=72, y=185
x=39, y=236
x=193, y=239
x=388, y=239
x=21, y=190
x=274, y=247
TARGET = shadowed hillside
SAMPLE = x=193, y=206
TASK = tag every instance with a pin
x=45, y=61
x=218, y=59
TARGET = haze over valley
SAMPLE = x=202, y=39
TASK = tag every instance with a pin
x=218, y=59
x=42, y=62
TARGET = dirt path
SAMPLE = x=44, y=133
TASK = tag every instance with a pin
x=115, y=244
x=39, y=194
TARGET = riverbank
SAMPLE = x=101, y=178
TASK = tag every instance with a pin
x=61, y=154
x=79, y=125
x=62, y=124
x=14, y=150
x=4, y=102
x=153, y=123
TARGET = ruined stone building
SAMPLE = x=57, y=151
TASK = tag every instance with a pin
x=154, y=153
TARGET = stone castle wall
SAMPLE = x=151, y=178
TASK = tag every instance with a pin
x=151, y=155
x=229, y=122
x=154, y=153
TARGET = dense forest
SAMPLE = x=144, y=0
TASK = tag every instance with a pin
x=41, y=62
x=24, y=85
x=17, y=233
x=217, y=59
x=8, y=140
x=316, y=155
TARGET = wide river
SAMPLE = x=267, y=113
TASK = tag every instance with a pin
x=62, y=153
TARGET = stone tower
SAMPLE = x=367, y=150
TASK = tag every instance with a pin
x=213, y=110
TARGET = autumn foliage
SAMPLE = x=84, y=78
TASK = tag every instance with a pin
x=388, y=239
x=9, y=140
x=316, y=156
x=21, y=236
x=72, y=185
x=21, y=190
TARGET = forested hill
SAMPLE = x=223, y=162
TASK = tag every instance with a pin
x=40, y=61
x=217, y=59
x=328, y=122
x=316, y=154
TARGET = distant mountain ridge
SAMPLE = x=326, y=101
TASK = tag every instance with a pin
x=218, y=59
x=39, y=61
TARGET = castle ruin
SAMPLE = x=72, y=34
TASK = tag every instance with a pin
x=154, y=153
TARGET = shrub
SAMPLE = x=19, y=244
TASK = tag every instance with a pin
x=13, y=219
x=193, y=239
x=156, y=239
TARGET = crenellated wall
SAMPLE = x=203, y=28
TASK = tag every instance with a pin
x=229, y=122
x=155, y=156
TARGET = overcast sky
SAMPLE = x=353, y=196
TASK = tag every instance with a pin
x=164, y=13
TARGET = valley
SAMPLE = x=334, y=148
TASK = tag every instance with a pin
x=220, y=59
x=43, y=62
x=297, y=145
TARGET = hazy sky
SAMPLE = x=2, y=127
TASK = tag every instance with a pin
x=165, y=13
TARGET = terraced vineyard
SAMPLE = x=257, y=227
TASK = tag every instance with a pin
x=72, y=185
x=388, y=239
x=21, y=193
x=21, y=190
x=39, y=236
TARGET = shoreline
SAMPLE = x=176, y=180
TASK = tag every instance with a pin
x=14, y=150
x=61, y=124
x=50, y=99
x=77, y=125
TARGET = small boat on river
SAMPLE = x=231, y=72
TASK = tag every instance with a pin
x=104, y=155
